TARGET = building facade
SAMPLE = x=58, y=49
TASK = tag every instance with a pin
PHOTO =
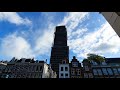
x=28, y=68
x=106, y=69
x=75, y=68
x=2, y=68
x=115, y=65
x=52, y=74
x=60, y=50
x=64, y=71
x=87, y=69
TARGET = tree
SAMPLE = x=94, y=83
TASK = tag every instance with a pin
x=95, y=58
x=85, y=60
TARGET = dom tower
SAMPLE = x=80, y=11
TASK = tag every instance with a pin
x=60, y=50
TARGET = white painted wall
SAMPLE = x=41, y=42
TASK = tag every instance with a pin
x=64, y=72
x=45, y=71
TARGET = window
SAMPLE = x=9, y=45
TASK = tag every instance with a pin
x=78, y=71
x=104, y=71
x=95, y=72
x=104, y=63
x=40, y=76
x=62, y=74
x=86, y=68
x=7, y=76
x=66, y=68
x=115, y=71
x=61, y=68
x=34, y=68
x=37, y=68
x=66, y=75
x=6, y=69
x=90, y=75
x=72, y=71
x=109, y=71
x=33, y=75
x=116, y=64
x=40, y=68
x=31, y=69
x=75, y=64
x=29, y=75
x=99, y=71
x=94, y=63
x=85, y=75
x=63, y=61
x=119, y=70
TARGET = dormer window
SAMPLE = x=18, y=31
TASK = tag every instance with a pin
x=104, y=63
x=94, y=63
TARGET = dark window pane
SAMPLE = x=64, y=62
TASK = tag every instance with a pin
x=66, y=74
x=61, y=74
x=66, y=68
x=61, y=68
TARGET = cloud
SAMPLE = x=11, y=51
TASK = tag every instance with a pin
x=18, y=44
x=81, y=40
x=15, y=46
x=78, y=33
x=106, y=47
x=14, y=18
x=43, y=43
x=30, y=43
x=101, y=41
x=73, y=19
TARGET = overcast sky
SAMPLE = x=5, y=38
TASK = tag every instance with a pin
x=30, y=34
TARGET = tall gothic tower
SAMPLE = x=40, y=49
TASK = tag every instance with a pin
x=60, y=50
